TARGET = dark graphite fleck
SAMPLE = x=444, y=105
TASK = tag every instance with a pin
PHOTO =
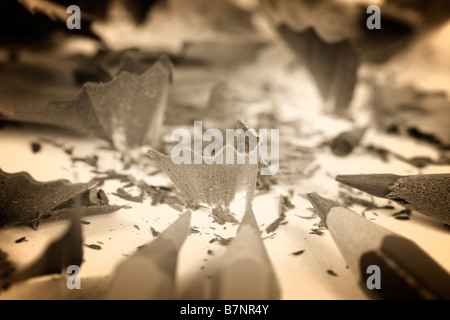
x=93, y=246
x=332, y=273
x=35, y=147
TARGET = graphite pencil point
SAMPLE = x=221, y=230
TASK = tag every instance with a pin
x=345, y=142
x=428, y=194
x=374, y=184
x=321, y=205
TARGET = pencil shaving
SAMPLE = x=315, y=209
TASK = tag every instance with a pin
x=215, y=184
x=24, y=200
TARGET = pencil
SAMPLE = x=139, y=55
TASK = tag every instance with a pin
x=150, y=273
x=344, y=143
x=245, y=272
x=428, y=194
x=405, y=271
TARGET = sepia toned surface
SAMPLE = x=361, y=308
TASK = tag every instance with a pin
x=223, y=61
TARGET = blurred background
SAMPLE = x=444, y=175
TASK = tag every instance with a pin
x=402, y=68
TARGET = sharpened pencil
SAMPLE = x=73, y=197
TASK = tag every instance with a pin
x=405, y=270
x=246, y=272
x=345, y=142
x=428, y=194
x=150, y=273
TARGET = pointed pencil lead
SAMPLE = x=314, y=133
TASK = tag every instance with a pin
x=345, y=142
x=322, y=205
x=374, y=184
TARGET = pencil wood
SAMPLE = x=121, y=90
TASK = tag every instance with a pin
x=428, y=194
x=150, y=273
x=406, y=271
x=246, y=272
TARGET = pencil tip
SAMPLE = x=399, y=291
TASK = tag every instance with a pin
x=322, y=205
x=179, y=229
x=374, y=184
x=249, y=219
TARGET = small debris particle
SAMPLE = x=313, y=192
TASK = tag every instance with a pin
x=317, y=232
x=402, y=215
x=284, y=206
x=35, y=147
x=297, y=253
x=420, y=162
x=68, y=151
x=154, y=232
x=109, y=175
x=157, y=194
x=287, y=202
x=223, y=241
x=221, y=216
x=274, y=225
x=332, y=273
x=137, y=227
x=210, y=252
x=23, y=239
x=85, y=222
x=121, y=193
x=99, y=242
x=93, y=246
x=194, y=231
